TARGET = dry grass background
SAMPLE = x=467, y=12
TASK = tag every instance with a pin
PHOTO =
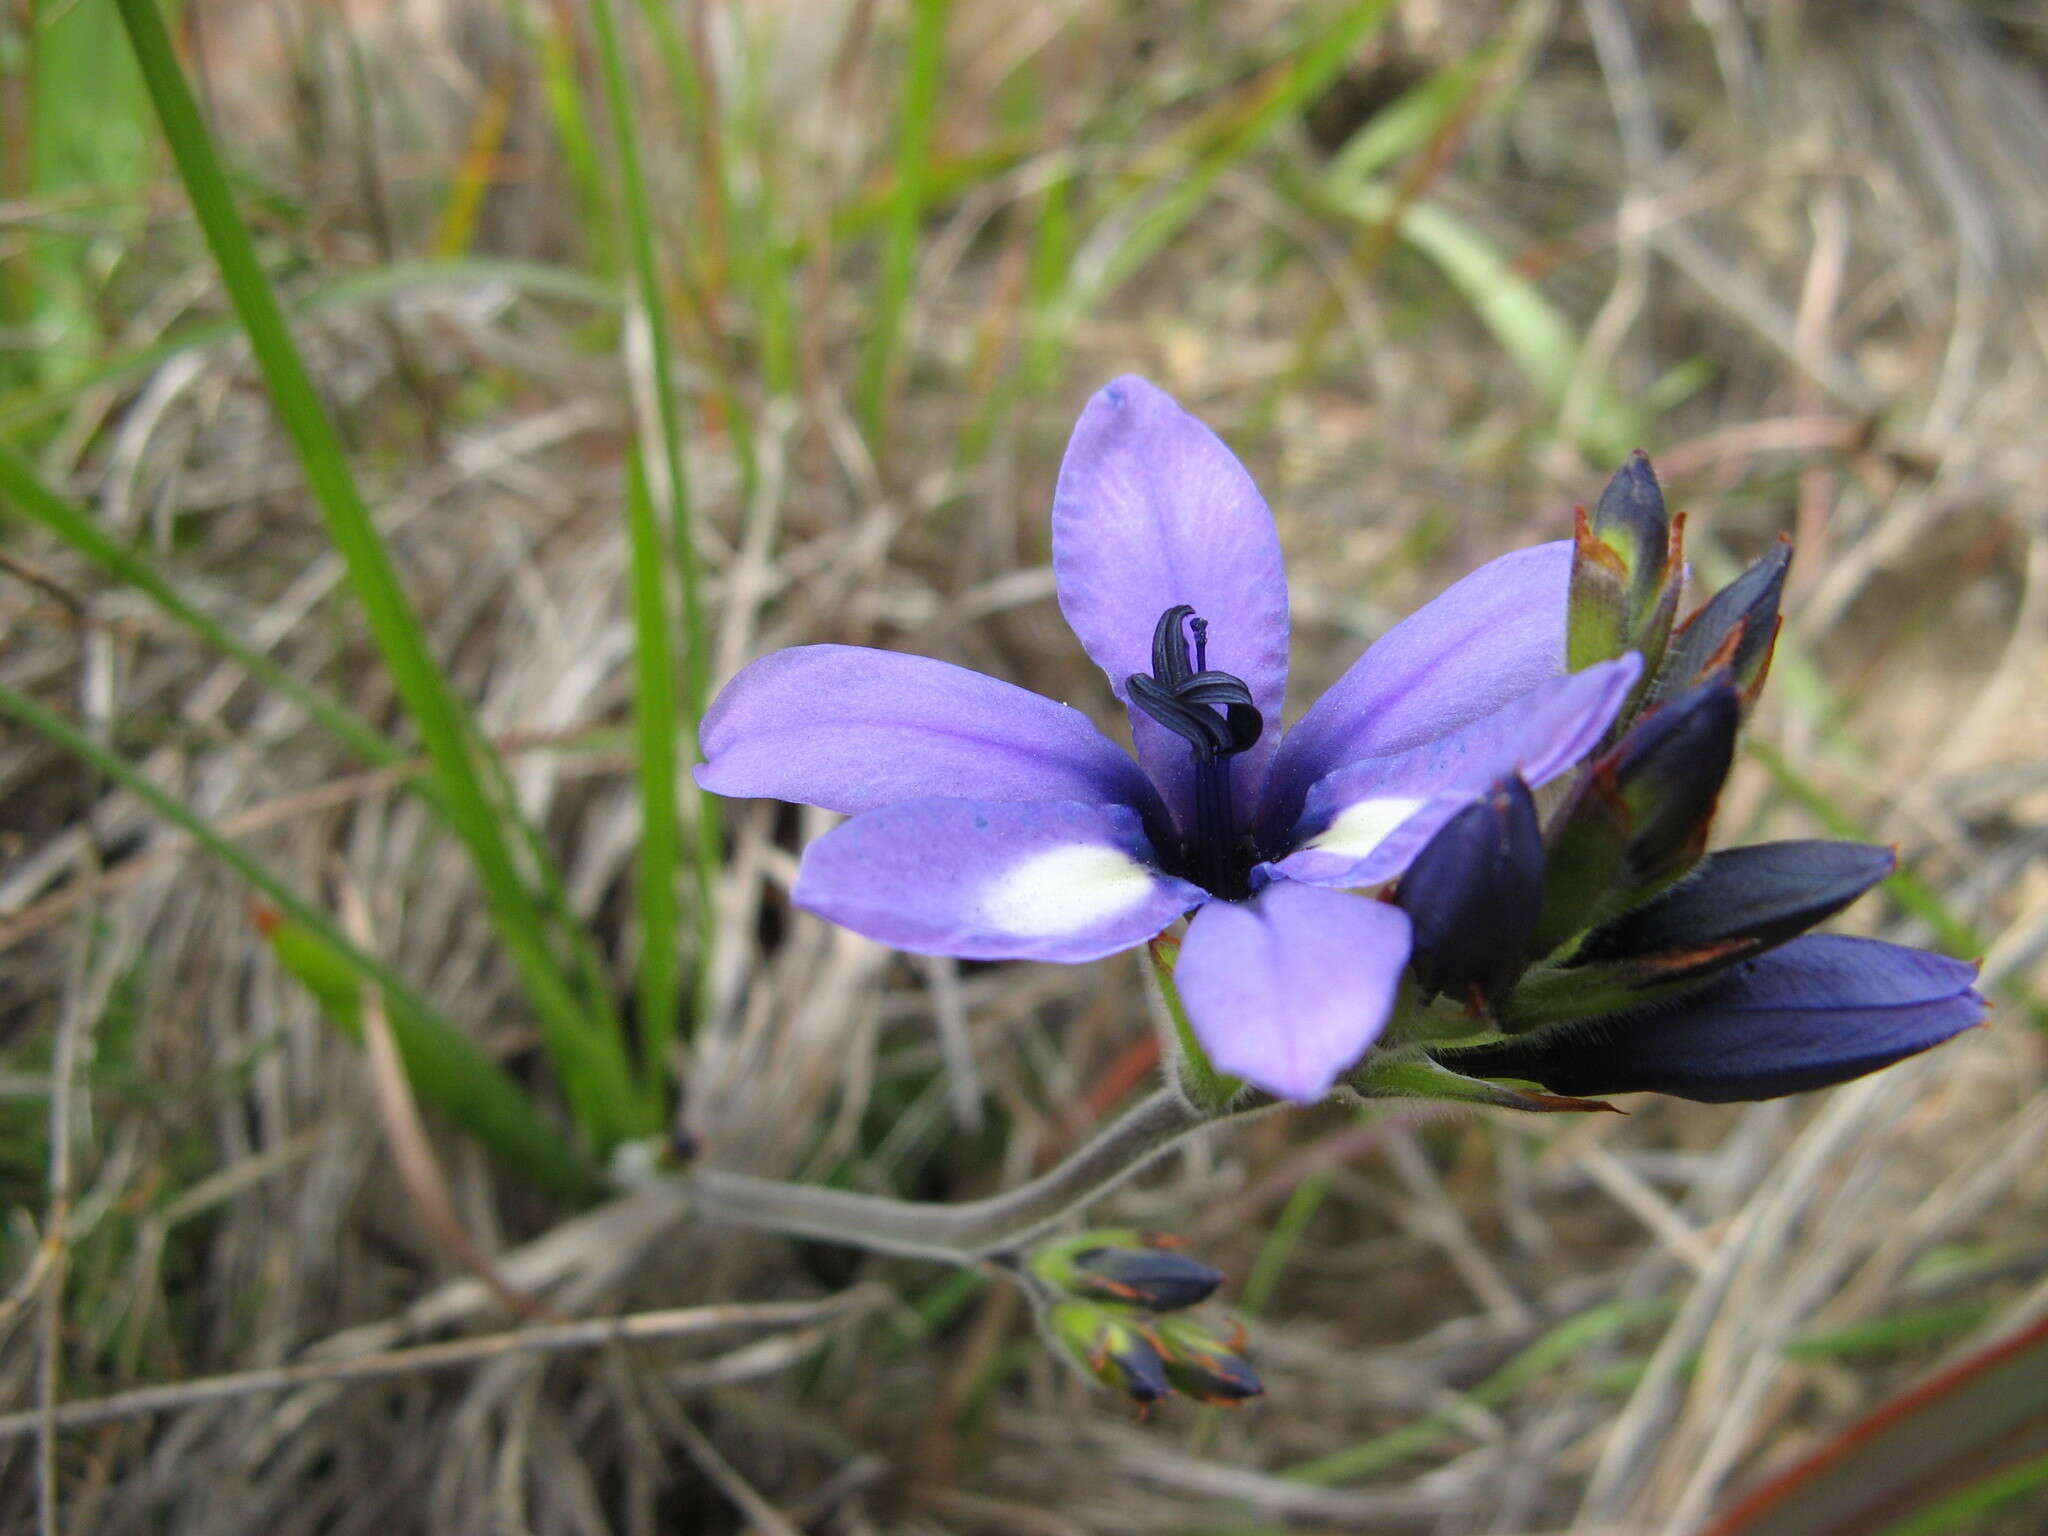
x=1833, y=217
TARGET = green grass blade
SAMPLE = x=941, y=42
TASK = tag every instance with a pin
x=1415, y=117
x=1039, y=343
x=742, y=222
x=695, y=689
x=1302, y=1204
x=898, y=265
x=20, y=485
x=1532, y=331
x=762, y=263
x=1962, y=1440
x=590, y=1058
x=445, y=1067
x=562, y=88
x=1965, y=1512
x=77, y=125
x=946, y=177
x=1297, y=84
x=1550, y=1352
x=1051, y=259
x=702, y=258
x=1914, y=1328
x=357, y=288
x=1425, y=121
x=661, y=832
x=1875, y=1338
x=449, y=1070
x=26, y=491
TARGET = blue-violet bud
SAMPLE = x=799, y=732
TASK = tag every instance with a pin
x=1734, y=632
x=1738, y=903
x=1473, y=896
x=1116, y=1351
x=1209, y=1367
x=1820, y=1010
x=1668, y=771
x=1126, y=1267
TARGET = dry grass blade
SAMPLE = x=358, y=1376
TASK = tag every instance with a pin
x=406, y=1133
x=549, y=1338
x=763, y=1515
x=27, y=922
x=52, y=1265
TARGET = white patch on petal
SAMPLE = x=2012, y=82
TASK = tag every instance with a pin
x=1065, y=890
x=1361, y=828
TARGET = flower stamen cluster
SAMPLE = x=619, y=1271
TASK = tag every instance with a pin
x=1214, y=714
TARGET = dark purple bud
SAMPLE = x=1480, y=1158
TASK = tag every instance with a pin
x=1668, y=771
x=1818, y=1011
x=1209, y=1367
x=1735, y=904
x=1631, y=519
x=1125, y=1266
x=1640, y=818
x=1157, y=1279
x=1116, y=1352
x=1132, y=1363
x=1625, y=565
x=1474, y=894
x=1734, y=632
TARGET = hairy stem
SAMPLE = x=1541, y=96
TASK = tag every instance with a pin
x=975, y=1229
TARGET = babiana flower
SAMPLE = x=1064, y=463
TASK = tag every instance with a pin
x=989, y=823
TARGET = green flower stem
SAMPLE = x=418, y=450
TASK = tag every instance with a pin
x=450, y=1070
x=974, y=1230
x=1205, y=1087
x=588, y=1052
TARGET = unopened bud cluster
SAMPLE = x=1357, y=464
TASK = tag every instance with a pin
x=1495, y=890
x=1613, y=914
x=1120, y=1312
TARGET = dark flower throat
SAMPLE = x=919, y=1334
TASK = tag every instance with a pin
x=1214, y=714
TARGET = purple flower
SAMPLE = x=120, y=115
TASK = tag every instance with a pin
x=989, y=823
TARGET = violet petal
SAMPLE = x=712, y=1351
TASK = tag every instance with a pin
x=1152, y=510
x=1487, y=640
x=852, y=729
x=1363, y=823
x=1060, y=881
x=1289, y=989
